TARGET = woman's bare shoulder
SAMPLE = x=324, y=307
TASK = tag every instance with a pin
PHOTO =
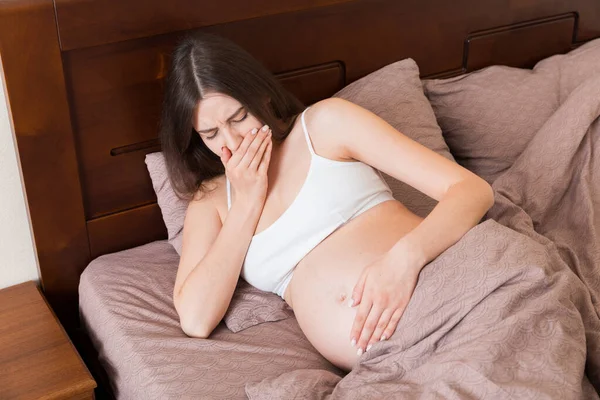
x=213, y=193
x=322, y=121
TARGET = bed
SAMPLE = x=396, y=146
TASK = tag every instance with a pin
x=84, y=83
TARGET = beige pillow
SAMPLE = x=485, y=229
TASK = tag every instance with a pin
x=395, y=94
x=489, y=116
x=173, y=208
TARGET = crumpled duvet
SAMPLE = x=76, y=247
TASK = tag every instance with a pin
x=512, y=310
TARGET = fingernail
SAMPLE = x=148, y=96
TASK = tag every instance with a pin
x=369, y=347
x=254, y=131
x=353, y=342
x=382, y=338
x=351, y=302
x=265, y=128
x=359, y=352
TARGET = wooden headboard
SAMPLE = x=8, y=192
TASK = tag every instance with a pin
x=84, y=81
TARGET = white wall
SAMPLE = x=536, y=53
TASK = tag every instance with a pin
x=18, y=260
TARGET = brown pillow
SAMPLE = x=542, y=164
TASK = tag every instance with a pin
x=172, y=208
x=395, y=94
x=489, y=116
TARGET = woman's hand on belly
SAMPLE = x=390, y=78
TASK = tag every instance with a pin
x=321, y=295
x=382, y=294
x=326, y=319
x=323, y=282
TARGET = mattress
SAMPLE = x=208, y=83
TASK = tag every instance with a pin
x=127, y=310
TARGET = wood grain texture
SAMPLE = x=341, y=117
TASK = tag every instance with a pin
x=37, y=359
x=91, y=23
x=35, y=84
x=127, y=229
x=521, y=45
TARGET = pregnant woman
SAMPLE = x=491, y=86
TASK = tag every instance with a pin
x=290, y=198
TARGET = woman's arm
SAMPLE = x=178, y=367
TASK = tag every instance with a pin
x=358, y=134
x=461, y=208
x=386, y=285
x=212, y=256
x=210, y=265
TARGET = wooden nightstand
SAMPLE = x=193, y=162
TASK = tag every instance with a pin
x=37, y=359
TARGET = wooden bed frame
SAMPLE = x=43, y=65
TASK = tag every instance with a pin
x=84, y=82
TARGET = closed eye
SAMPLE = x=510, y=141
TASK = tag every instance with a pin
x=243, y=118
x=236, y=121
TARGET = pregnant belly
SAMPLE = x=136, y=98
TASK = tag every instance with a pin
x=323, y=281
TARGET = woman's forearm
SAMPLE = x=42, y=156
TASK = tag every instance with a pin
x=461, y=208
x=206, y=293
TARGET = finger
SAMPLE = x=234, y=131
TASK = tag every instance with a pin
x=369, y=328
x=259, y=154
x=391, y=327
x=225, y=155
x=266, y=160
x=359, y=321
x=243, y=147
x=358, y=290
x=383, y=323
x=253, y=148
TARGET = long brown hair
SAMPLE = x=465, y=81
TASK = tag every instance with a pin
x=204, y=63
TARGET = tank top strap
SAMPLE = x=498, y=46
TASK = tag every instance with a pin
x=228, y=194
x=310, y=147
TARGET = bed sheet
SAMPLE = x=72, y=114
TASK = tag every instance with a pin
x=126, y=307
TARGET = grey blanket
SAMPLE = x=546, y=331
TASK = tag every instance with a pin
x=512, y=310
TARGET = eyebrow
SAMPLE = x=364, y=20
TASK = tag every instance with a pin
x=228, y=119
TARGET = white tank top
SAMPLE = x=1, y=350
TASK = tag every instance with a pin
x=333, y=193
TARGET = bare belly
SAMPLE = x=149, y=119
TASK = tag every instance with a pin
x=323, y=281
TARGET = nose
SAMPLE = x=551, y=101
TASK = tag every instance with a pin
x=233, y=138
